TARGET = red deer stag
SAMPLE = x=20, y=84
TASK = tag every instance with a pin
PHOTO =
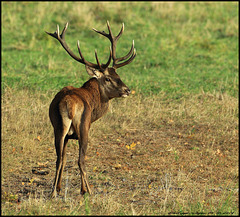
x=74, y=109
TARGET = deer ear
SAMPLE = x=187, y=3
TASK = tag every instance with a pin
x=93, y=72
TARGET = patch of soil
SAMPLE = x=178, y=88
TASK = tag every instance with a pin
x=143, y=166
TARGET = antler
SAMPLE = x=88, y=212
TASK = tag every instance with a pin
x=113, y=40
x=61, y=39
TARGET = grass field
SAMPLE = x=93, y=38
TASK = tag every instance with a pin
x=171, y=148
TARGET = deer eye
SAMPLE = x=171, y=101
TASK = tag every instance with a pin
x=107, y=79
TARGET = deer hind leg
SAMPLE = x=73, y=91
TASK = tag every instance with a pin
x=60, y=145
x=83, y=142
x=81, y=163
x=64, y=161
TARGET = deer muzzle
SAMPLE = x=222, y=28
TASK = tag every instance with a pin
x=126, y=92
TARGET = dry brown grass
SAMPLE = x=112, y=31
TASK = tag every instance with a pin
x=185, y=158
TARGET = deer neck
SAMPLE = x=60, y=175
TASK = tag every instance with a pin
x=98, y=102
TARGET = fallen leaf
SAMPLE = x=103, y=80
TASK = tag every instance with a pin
x=31, y=181
x=118, y=166
x=132, y=146
x=39, y=138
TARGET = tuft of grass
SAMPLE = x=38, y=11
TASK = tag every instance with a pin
x=87, y=208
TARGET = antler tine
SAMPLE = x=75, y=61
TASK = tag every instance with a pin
x=79, y=51
x=101, y=32
x=128, y=61
x=61, y=39
x=97, y=59
x=109, y=60
x=125, y=57
x=63, y=32
x=113, y=39
x=56, y=33
x=109, y=30
x=120, y=33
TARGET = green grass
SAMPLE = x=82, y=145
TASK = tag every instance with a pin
x=183, y=116
x=182, y=48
